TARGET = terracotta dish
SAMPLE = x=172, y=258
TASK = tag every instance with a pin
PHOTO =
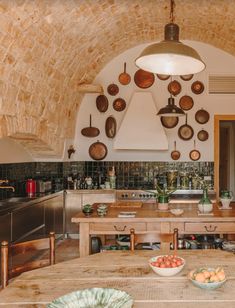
x=186, y=102
x=102, y=103
x=202, y=116
x=98, y=150
x=202, y=135
x=186, y=77
x=119, y=104
x=144, y=79
x=163, y=77
x=169, y=122
x=113, y=89
x=174, y=87
x=197, y=87
x=110, y=127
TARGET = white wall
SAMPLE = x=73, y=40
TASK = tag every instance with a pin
x=217, y=62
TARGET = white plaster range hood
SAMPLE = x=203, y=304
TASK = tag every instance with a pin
x=141, y=128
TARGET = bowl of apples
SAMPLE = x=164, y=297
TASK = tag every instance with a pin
x=208, y=278
x=167, y=265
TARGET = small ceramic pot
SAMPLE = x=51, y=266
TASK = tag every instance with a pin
x=163, y=206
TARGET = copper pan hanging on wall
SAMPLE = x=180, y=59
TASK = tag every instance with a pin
x=194, y=154
x=163, y=77
x=202, y=116
x=185, y=131
x=90, y=131
x=197, y=87
x=113, y=89
x=174, y=87
x=186, y=77
x=124, y=78
x=202, y=135
x=175, y=155
x=186, y=102
x=102, y=103
x=119, y=104
x=110, y=127
x=98, y=150
x=144, y=79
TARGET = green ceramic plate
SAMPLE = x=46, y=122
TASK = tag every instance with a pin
x=94, y=298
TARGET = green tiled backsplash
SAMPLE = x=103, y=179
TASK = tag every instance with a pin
x=128, y=174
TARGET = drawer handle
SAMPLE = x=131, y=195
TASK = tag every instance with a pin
x=210, y=229
x=119, y=229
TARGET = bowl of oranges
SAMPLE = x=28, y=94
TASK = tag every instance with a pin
x=208, y=278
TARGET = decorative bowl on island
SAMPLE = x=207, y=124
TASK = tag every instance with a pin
x=167, y=265
x=208, y=278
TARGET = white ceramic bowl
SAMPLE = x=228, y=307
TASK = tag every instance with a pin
x=205, y=208
x=169, y=271
x=177, y=212
x=207, y=285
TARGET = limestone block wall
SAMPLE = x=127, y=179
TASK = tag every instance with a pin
x=48, y=48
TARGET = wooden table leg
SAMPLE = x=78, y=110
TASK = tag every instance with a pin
x=84, y=239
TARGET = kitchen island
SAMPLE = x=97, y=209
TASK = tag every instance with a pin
x=149, y=219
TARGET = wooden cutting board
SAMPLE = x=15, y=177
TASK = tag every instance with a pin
x=135, y=204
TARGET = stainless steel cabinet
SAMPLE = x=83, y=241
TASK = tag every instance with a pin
x=5, y=227
x=54, y=214
x=27, y=220
x=73, y=205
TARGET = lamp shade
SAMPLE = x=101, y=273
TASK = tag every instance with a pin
x=170, y=57
x=171, y=110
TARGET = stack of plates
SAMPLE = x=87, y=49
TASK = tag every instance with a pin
x=229, y=245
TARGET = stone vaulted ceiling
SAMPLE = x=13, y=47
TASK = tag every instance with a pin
x=49, y=47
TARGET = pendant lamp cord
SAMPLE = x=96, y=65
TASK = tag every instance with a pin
x=172, y=17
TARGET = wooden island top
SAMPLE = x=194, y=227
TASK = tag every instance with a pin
x=149, y=219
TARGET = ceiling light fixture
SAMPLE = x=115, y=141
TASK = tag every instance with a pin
x=171, y=110
x=170, y=56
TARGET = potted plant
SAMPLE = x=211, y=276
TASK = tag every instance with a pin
x=87, y=209
x=163, y=197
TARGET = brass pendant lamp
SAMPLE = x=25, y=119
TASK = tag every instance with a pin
x=170, y=56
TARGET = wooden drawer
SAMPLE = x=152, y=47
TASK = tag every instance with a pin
x=210, y=227
x=116, y=228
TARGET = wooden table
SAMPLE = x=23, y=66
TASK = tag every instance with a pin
x=148, y=219
x=126, y=271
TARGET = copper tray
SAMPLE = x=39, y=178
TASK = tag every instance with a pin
x=102, y=103
x=197, y=87
x=169, y=122
x=186, y=102
x=174, y=87
x=202, y=116
x=163, y=77
x=113, y=89
x=186, y=77
x=202, y=135
x=110, y=127
x=98, y=150
x=119, y=104
x=144, y=79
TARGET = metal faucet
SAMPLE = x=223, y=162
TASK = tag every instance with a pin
x=10, y=187
x=6, y=187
